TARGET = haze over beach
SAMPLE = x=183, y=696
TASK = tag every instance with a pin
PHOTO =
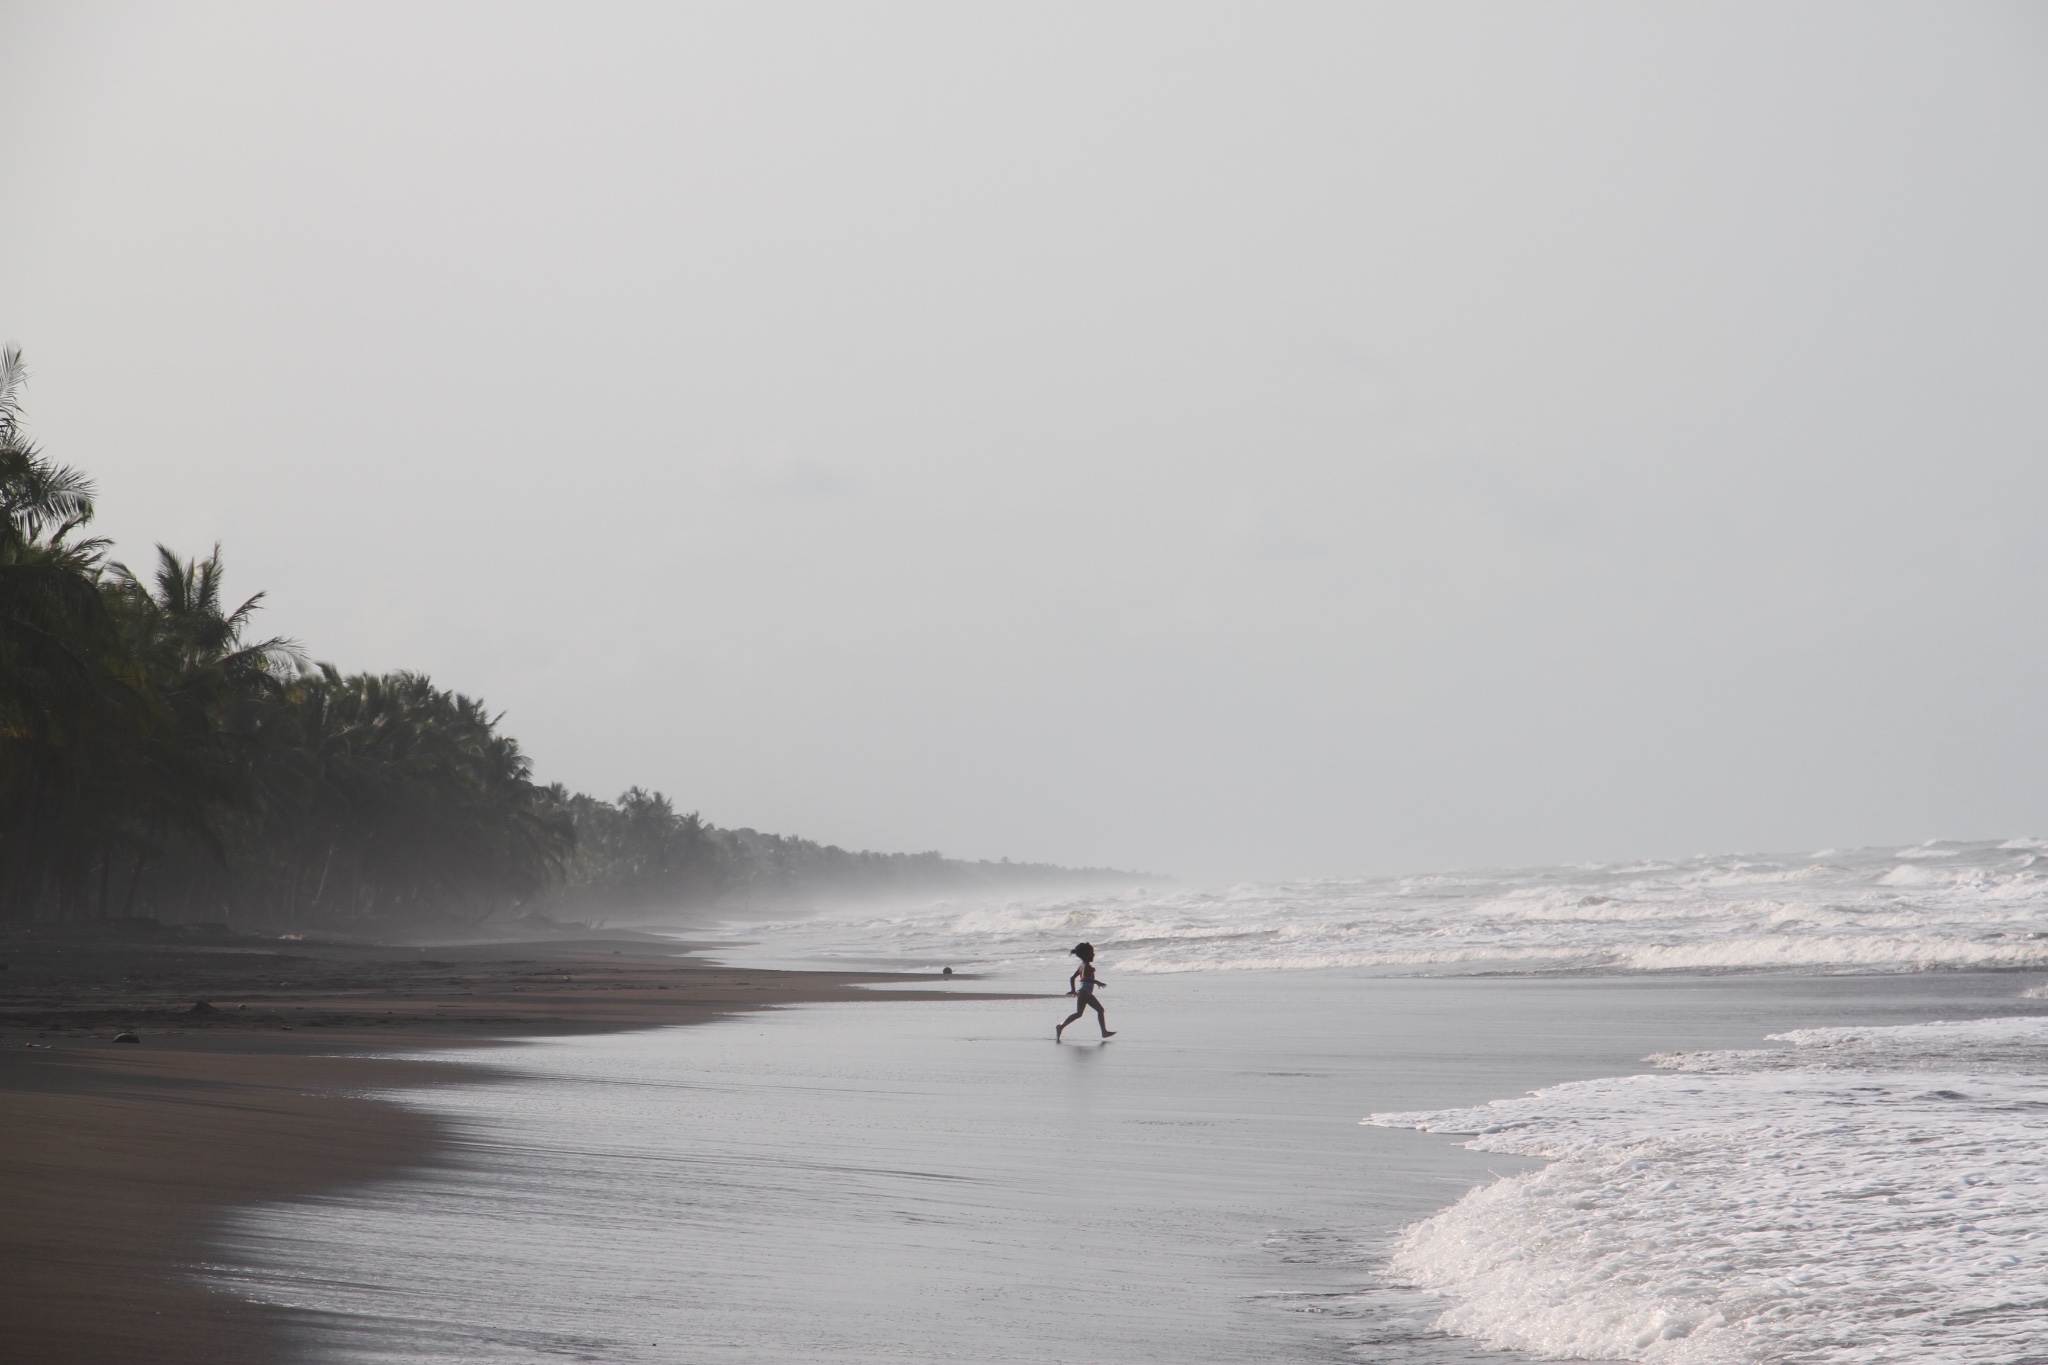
x=592, y=599
x=1227, y=442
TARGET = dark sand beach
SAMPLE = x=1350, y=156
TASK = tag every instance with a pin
x=117, y=1160
x=342, y=1157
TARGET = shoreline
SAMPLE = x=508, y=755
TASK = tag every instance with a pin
x=118, y=1161
x=124, y=1163
x=855, y=1183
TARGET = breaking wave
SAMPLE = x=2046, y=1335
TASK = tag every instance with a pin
x=1938, y=905
x=1870, y=1194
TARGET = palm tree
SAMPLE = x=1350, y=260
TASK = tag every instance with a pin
x=412, y=802
x=69, y=711
x=143, y=732
x=191, y=630
x=208, y=688
x=37, y=498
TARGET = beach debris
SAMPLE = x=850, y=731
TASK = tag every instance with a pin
x=126, y=1038
x=945, y=971
x=204, y=1007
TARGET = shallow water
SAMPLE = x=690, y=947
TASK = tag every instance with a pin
x=942, y=1182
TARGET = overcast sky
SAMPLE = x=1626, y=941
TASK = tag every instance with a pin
x=1230, y=440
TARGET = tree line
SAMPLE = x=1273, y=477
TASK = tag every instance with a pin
x=638, y=854
x=158, y=760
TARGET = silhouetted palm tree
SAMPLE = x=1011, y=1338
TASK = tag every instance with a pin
x=70, y=714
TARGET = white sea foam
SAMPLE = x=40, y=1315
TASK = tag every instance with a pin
x=1928, y=906
x=1870, y=1194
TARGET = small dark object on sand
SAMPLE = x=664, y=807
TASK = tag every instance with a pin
x=947, y=972
x=203, y=1007
x=126, y=1038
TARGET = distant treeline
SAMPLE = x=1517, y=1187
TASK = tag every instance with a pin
x=637, y=855
x=157, y=761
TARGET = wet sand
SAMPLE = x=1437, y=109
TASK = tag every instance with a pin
x=943, y=1183
x=118, y=1160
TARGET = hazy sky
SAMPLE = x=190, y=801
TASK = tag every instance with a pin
x=1233, y=440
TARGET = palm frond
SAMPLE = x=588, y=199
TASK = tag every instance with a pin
x=12, y=374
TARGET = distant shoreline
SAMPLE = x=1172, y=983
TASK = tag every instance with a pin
x=120, y=1160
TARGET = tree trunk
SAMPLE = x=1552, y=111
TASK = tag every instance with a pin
x=134, y=879
x=321, y=889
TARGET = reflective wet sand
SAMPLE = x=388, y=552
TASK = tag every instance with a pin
x=943, y=1182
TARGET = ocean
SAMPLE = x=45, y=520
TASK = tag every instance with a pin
x=1936, y=905
x=1758, y=1109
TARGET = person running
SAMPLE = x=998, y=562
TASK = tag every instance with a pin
x=1081, y=985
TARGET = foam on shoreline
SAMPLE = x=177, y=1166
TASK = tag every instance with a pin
x=1862, y=1194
